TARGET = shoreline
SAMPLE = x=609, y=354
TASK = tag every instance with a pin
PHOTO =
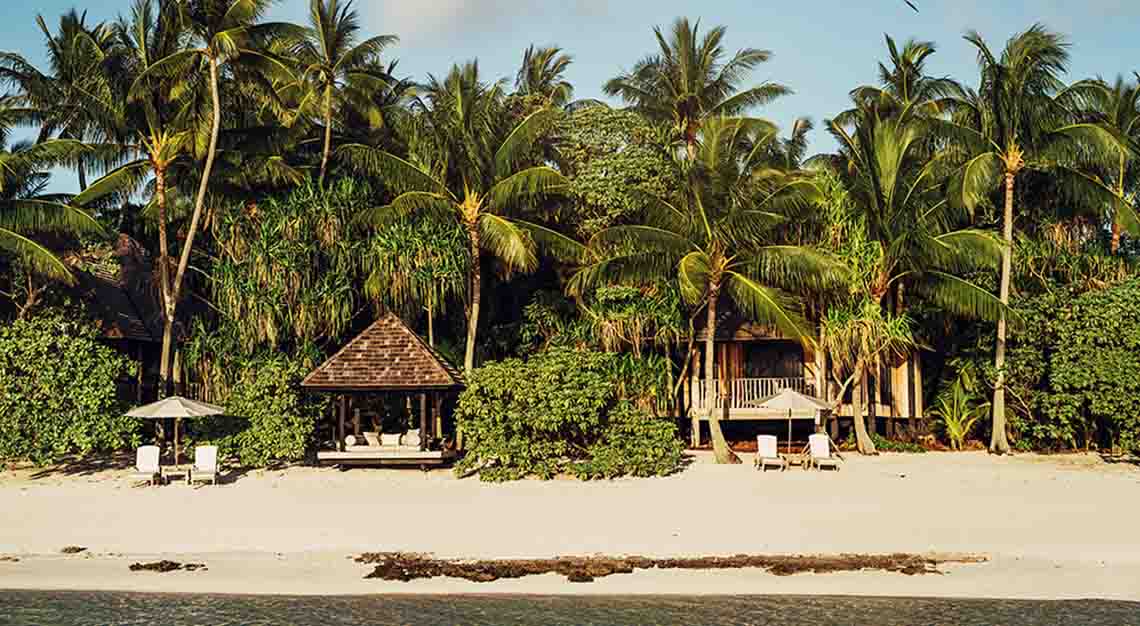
x=336, y=574
x=1043, y=522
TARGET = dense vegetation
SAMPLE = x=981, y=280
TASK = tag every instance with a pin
x=57, y=392
x=288, y=185
x=560, y=411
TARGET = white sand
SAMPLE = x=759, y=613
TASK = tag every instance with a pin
x=1053, y=527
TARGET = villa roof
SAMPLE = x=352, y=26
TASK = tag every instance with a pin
x=386, y=356
x=732, y=325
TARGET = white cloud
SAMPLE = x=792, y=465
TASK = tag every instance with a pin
x=415, y=21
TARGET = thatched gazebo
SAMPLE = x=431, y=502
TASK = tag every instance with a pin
x=387, y=357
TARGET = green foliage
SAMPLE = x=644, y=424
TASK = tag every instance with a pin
x=882, y=444
x=268, y=417
x=633, y=444
x=547, y=414
x=57, y=392
x=613, y=158
x=289, y=263
x=958, y=408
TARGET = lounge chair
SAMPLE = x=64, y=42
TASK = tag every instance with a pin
x=146, y=465
x=205, y=465
x=819, y=452
x=767, y=454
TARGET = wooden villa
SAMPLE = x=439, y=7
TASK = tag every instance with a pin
x=753, y=361
x=388, y=359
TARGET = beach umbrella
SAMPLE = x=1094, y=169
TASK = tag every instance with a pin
x=178, y=408
x=793, y=402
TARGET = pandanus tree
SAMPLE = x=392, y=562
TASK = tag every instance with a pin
x=717, y=240
x=1018, y=121
x=467, y=163
x=690, y=79
x=916, y=242
x=26, y=210
x=337, y=70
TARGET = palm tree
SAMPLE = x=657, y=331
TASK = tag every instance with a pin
x=220, y=31
x=1017, y=120
x=904, y=236
x=72, y=96
x=541, y=74
x=905, y=83
x=336, y=70
x=689, y=81
x=1108, y=178
x=26, y=210
x=718, y=240
x=462, y=164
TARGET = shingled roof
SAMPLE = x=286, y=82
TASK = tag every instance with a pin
x=387, y=356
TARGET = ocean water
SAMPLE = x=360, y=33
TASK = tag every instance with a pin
x=76, y=608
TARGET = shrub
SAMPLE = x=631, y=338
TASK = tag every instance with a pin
x=268, y=417
x=57, y=392
x=558, y=412
x=633, y=444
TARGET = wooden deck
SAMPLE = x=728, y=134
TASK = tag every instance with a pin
x=379, y=456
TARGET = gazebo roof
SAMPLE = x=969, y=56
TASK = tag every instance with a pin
x=386, y=356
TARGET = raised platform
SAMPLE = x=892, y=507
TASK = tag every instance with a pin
x=365, y=455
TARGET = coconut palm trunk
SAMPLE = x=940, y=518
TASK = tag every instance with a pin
x=721, y=451
x=328, y=137
x=164, y=279
x=999, y=443
x=473, y=310
x=199, y=203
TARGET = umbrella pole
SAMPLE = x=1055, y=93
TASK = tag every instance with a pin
x=177, y=421
x=789, y=431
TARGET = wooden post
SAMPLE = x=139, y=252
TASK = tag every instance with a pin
x=698, y=404
x=437, y=403
x=423, y=421
x=341, y=415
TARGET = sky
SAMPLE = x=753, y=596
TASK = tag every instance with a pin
x=821, y=49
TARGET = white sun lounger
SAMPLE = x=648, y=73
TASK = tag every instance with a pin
x=819, y=452
x=767, y=454
x=205, y=465
x=146, y=465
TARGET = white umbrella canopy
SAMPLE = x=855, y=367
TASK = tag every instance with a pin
x=178, y=408
x=175, y=406
x=793, y=402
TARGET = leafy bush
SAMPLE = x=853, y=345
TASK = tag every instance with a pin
x=57, y=392
x=548, y=414
x=268, y=417
x=633, y=444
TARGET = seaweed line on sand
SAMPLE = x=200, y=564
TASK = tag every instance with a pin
x=408, y=566
x=164, y=566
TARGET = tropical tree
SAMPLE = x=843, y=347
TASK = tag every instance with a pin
x=219, y=32
x=1019, y=119
x=859, y=339
x=718, y=240
x=689, y=81
x=336, y=70
x=542, y=74
x=71, y=96
x=468, y=163
x=1106, y=180
x=25, y=208
x=905, y=83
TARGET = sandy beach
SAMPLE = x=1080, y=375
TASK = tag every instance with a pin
x=1051, y=527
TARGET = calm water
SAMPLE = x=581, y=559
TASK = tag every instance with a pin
x=75, y=608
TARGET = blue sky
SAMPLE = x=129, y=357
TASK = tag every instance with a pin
x=821, y=48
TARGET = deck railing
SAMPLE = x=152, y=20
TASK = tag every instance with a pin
x=743, y=391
